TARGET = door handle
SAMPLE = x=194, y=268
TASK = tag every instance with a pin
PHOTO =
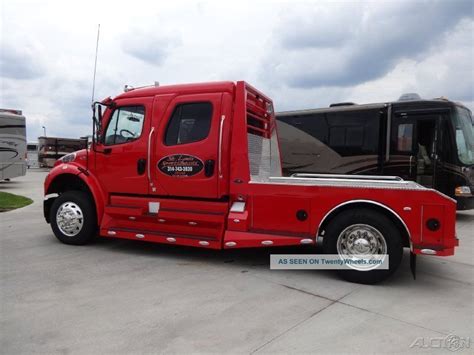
x=209, y=167
x=221, y=129
x=149, y=155
x=141, y=166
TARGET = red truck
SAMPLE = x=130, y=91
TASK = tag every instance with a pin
x=199, y=165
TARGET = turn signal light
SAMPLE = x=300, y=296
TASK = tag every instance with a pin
x=462, y=191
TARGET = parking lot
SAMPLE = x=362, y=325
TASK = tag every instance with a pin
x=117, y=296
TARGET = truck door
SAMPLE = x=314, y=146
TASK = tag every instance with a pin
x=121, y=158
x=414, y=147
x=187, y=145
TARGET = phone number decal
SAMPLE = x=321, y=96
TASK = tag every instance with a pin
x=180, y=165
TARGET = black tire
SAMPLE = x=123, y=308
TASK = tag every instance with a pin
x=86, y=209
x=381, y=223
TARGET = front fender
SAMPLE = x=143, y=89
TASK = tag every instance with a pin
x=89, y=180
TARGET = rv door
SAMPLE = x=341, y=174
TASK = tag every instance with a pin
x=414, y=146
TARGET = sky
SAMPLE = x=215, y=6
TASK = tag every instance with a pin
x=303, y=54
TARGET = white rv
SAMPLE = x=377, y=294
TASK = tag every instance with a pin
x=12, y=144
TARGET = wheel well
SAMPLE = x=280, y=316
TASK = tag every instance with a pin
x=372, y=206
x=63, y=183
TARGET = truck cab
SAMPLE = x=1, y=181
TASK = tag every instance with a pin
x=199, y=165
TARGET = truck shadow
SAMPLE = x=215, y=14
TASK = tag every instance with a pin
x=255, y=260
x=235, y=260
x=249, y=257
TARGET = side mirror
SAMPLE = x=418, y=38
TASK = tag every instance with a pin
x=99, y=111
x=99, y=125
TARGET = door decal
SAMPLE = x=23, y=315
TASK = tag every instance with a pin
x=180, y=165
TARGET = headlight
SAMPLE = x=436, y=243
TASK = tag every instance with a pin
x=68, y=158
x=462, y=191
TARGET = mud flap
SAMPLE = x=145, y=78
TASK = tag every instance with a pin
x=413, y=264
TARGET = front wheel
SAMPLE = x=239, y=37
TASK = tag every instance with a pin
x=73, y=218
x=364, y=232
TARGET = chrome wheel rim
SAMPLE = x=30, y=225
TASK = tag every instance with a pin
x=69, y=219
x=361, y=240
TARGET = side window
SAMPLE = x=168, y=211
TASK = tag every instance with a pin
x=189, y=123
x=405, y=137
x=125, y=125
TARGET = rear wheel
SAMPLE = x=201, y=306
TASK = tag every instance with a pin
x=364, y=233
x=73, y=218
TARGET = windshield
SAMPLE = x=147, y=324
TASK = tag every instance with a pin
x=464, y=135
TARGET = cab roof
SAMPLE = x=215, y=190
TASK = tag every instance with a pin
x=219, y=86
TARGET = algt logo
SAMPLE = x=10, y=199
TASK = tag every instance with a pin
x=450, y=342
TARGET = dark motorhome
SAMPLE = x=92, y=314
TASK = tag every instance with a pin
x=427, y=141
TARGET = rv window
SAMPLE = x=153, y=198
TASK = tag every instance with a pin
x=189, y=123
x=353, y=132
x=405, y=137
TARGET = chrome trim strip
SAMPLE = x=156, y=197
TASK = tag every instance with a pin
x=221, y=129
x=149, y=155
x=389, y=132
x=330, y=182
x=364, y=201
x=346, y=178
x=350, y=177
x=48, y=196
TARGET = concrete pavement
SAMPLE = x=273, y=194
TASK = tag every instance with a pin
x=118, y=296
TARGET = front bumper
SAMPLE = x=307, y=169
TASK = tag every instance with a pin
x=464, y=203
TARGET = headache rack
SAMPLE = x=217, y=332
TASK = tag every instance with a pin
x=259, y=114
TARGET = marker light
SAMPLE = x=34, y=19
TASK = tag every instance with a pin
x=68, y=158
